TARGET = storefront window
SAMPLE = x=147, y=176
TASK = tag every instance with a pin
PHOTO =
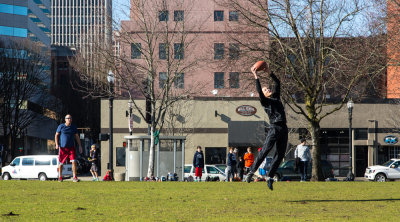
x=361, y=134
x=215, y=155
x=335, y=149
x=394, y=152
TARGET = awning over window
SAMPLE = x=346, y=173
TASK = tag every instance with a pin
x=246, y=133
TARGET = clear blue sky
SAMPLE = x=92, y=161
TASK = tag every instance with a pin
x=359, y=24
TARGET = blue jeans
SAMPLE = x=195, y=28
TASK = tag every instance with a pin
x=303, y=170
x=231, y=173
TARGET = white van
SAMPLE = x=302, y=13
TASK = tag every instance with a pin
x=42, y=167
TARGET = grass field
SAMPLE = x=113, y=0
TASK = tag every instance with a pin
x=212, y=201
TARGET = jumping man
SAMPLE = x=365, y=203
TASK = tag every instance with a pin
x=278, y=131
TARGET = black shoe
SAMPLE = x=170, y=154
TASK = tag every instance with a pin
x=270, y=181
x=249, y=177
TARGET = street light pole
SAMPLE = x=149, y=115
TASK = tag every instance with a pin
x=350, y=175
x=110, y=80
x=130, y=116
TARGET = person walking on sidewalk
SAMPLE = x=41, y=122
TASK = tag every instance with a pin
x=65, y=137
x=303, y=152
x=278, y=131
x=198, y=163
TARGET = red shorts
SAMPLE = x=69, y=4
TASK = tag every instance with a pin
x=198, y=172
x=65, y=153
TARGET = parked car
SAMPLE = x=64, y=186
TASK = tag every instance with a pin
x=210, y=171
x=42, y=167
x=286, y=170
x=387, y=171
x=222, y=167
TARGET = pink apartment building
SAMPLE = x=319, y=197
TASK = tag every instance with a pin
x=212, y=58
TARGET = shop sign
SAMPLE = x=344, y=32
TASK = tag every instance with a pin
x=391, y=139
x=246, y=110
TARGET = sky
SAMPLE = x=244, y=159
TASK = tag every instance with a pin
x=121, y=10
x=359, y=25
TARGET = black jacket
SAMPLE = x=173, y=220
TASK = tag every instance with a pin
x=231, y=159
x=273, y=105
x=198, y=159
x=240, y=165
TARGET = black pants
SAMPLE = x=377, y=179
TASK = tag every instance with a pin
x=277, y=134
x=240, y=172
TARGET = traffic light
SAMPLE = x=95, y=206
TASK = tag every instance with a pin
x=104, y=136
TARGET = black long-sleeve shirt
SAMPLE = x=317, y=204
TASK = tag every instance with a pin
x=198, y=159
x=273, y=105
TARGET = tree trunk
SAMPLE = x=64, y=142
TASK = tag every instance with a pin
x=315, y=131
x=150, y=171
x=10, y=147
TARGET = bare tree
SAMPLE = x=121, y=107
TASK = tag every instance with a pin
x=314, y=47
x=153, y=63
x=23, y=89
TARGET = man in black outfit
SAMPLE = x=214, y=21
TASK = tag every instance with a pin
x=278, y=131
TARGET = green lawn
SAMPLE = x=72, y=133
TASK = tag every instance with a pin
x=212, y=201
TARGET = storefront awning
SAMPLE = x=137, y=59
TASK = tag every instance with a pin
x=246, y=133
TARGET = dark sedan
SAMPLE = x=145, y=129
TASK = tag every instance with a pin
x=286, y=171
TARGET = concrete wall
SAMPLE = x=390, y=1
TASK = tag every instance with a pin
x=201, y=127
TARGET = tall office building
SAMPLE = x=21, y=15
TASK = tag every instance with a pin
x=22, y=20
x=79, y=28
x=76, y=23
x=25, y=19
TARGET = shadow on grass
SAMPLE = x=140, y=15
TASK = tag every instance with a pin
x=369, y=200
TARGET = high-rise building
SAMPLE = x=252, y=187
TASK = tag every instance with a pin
x=75, y=23
x=26, y=19
x=22, y=22
x=79, y=29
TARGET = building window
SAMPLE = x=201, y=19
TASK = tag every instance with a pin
x=394, y=152
x=136, y=50
x=215, y=155
x=13, y=9
x=234, y=80
x=178, y=51
x=218, y=51
x=179, y=82
x=178, y=15
x=162, y=51
x=163, y=16
x=234, y=51
x=162, y=80
x=360, y=134
x=218, y=80
x=336, y=149
x=233, y=16
x=12, y=31
x=120, y=157
x=218, y=16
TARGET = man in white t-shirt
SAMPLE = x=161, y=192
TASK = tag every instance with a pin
x=303, y=152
